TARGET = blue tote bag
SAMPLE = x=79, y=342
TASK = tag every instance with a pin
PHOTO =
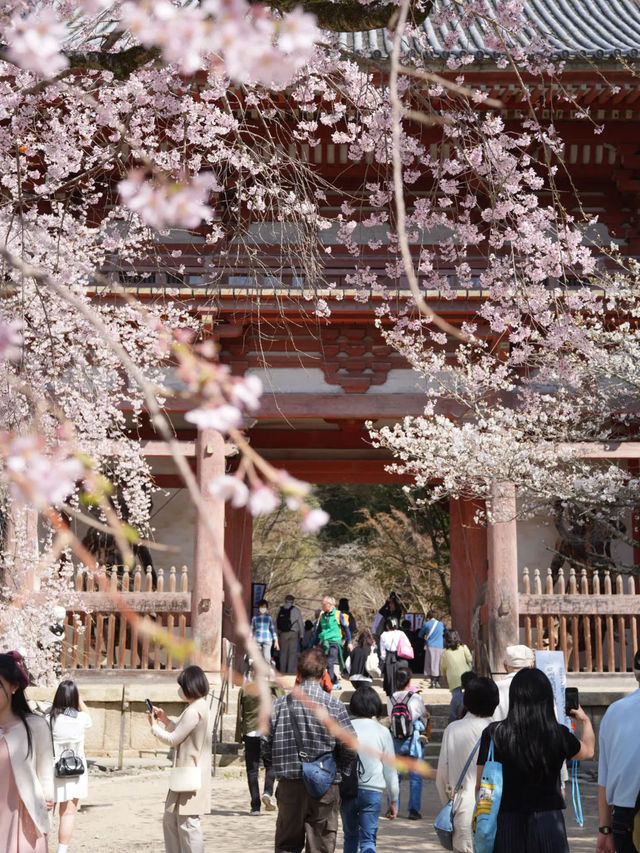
x=485, y=815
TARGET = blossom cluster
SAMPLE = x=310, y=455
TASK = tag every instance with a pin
x=263, y=499
x=249, y=44
x=38, y=476
x=161, y=203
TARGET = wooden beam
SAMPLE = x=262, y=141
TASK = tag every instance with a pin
x=318, y=471
x=341, y=470
x=579, y=605
x=327, y=439
x=151, y=447
x=160, y=449
x=363, y=406
x=357, y=406
x=139, y=602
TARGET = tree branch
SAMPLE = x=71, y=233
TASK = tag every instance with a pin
x=121, y=64
x=350, y=16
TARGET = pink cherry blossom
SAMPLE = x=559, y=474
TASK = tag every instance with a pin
x=223, y=417
x=246, y=392
x=230, y=488
x=298, y=33
x=10, y=340
x=35, y=42
x=314, y=521
x=161, y=204
x=48, y=478
x=263, y=501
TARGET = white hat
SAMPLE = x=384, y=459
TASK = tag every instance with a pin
x=519, y=657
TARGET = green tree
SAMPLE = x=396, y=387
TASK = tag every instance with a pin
x=281, y=553
x=412, y=562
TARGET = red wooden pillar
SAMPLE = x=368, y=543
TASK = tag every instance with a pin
x=206, y=601
x=468, y=553
x=238, y=538
x=502, y=582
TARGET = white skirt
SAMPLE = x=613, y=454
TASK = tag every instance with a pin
x=71, y=787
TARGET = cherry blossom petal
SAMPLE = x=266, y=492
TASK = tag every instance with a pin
x=263, y=501
x=229, y=488
x=222, y=418
x=314, y=521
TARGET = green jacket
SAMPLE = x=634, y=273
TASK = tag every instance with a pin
x=248, y=705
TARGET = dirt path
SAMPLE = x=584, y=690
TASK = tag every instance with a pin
x=123, y=814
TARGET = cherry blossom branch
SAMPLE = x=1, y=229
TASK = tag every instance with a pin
x=161, y=424
x=397, y=110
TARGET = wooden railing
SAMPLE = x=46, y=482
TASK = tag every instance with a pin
x=97, y=634
x=593, y=620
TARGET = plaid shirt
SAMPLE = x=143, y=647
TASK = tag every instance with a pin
x=263, y=629
x=279, y=747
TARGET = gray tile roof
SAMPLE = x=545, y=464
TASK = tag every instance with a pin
x=575, y=29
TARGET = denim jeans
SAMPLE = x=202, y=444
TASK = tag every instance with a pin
x=415, y=779
x=360, y=821
x=622, y=823
x=456, y=705
x=265, y=648
x=333, y=657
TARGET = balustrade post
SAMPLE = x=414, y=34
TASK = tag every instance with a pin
x=207, y=594
x=502, y=583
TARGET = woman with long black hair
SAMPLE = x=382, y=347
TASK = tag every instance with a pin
x=26, y=764
x=532, y=746
x=69, y=719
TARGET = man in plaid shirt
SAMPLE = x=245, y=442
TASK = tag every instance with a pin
x=302, y=818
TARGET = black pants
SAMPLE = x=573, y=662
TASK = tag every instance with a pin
x=333, y=657
x=252, y=761
x=623, y=829
x=537, y=832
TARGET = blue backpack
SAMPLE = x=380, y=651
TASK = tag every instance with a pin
x=485, y=815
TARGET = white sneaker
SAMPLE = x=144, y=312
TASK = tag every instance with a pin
x=268, y=802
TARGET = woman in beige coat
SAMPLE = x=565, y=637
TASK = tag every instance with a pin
x=190, y=736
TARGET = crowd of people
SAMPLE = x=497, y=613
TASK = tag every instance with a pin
x=326, y=761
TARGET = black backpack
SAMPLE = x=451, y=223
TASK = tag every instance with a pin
x=349, y=784
x=401, y=720
x=283, y=622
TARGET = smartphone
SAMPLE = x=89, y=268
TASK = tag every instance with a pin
x=571, y=699
x=147, y=702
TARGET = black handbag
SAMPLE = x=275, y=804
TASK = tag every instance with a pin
x=69, y=764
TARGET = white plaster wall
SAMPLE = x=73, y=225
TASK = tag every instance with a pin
x=536, y=541
x=174, y=524
x=291, y=380
x=400, y=381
